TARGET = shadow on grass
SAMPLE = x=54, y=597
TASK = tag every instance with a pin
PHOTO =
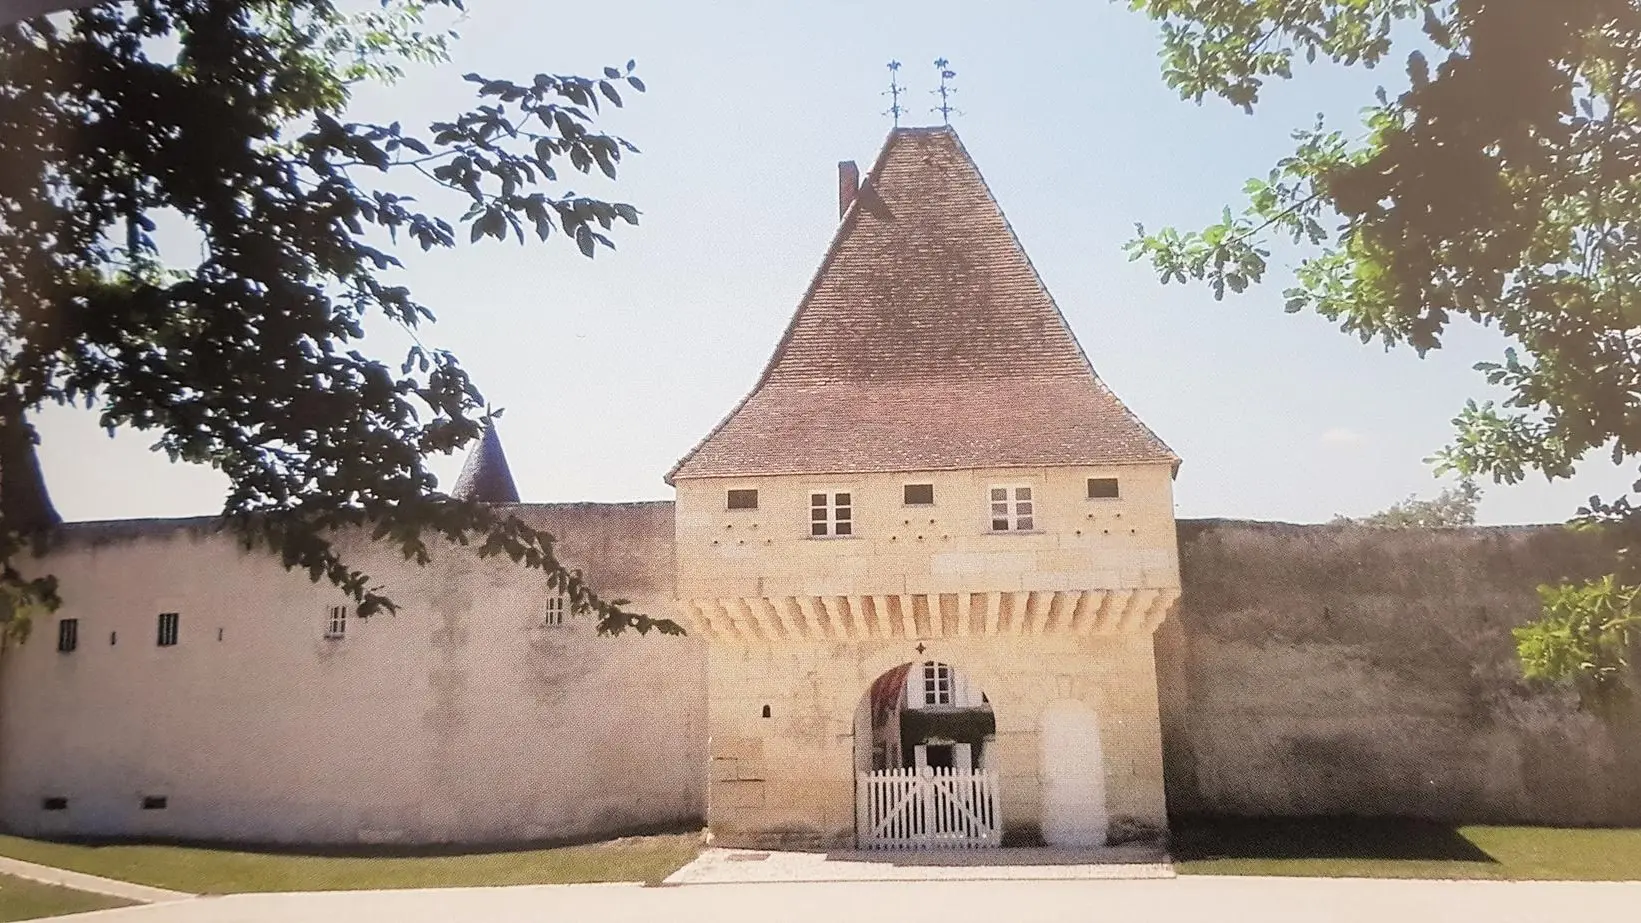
x=1207, y=838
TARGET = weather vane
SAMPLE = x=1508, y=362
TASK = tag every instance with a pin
x=895, y=108
x=945, y=108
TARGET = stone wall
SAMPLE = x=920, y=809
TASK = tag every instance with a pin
x=460, y=718
x=1321, y=670
x=786, y=777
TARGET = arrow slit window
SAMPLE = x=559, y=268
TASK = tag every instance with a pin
x=831, y=513
x=1012, y=510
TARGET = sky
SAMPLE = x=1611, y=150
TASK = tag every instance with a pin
x=609, y=370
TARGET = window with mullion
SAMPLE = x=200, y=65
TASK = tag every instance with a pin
x=831, y=513
x=1013, y=510
x=937, y=684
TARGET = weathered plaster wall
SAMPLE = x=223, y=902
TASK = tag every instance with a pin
x=1316, y=670
x=460, y=718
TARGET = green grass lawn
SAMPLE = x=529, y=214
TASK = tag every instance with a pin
x=1342, y=847
x=22, y=899
x=204, y=870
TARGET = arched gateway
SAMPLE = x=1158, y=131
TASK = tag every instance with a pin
x=925, y=743
x=928, y=472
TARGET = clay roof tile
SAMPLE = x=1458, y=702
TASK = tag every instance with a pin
x=926, y=341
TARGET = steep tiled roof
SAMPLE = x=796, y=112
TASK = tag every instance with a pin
x=926, y=341
x=485, y=476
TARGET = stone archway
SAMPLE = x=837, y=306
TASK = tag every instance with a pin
x=925, y=746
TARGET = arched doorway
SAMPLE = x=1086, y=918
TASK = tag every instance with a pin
x=925, y=748
x=1073, y=776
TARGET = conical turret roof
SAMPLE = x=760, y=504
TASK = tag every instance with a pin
x=24, y=503
x=926, y=341
x=485, y=476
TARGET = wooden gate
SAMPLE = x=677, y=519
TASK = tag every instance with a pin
x=927, y=808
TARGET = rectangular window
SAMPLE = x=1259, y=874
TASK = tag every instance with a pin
x=1012, y=510
x=1102, y=488
x=54, y=803
x=937, y=684
x=831, y=514
x=336, y=623
x=743, y=499
x=919, y=495
x=154, y=802
x=68, y=635
x=555, y=611
x=168, y=629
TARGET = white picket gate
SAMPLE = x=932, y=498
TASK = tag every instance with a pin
x=927, y=808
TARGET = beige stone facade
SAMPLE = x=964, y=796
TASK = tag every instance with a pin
x=803, y=626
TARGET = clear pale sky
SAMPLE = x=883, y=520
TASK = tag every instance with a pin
x=609, y=370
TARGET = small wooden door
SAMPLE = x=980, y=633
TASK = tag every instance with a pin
x=1073, y=776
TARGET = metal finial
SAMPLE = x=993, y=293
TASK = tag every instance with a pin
x=894, y=91
x=945, y=108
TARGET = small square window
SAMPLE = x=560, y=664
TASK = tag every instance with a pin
x=169, y=629
x=743, y=499
x=68, y=635
x=1102, y=488
x=336, y=623
x=555, y=611
x=919, y=494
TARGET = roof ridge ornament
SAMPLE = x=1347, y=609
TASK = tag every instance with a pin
x=894, y=91
x=945, y=92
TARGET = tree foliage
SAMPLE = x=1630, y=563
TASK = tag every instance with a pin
x=1454, y=506
x=1590, y=635
x=247, y=355
x=1502, y=187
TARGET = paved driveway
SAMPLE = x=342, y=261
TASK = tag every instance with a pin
x=1193, y=899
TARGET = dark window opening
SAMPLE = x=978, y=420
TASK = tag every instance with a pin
x=743, y=499
x=54, y=804
x=766, y=711
x=939, y=756
x=113, y=637
x=1102, y=488
x=68, y=635
x=168, y=629
x=919, y=494
x=153, y=802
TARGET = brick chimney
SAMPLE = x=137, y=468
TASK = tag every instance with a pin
x=848, y=185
